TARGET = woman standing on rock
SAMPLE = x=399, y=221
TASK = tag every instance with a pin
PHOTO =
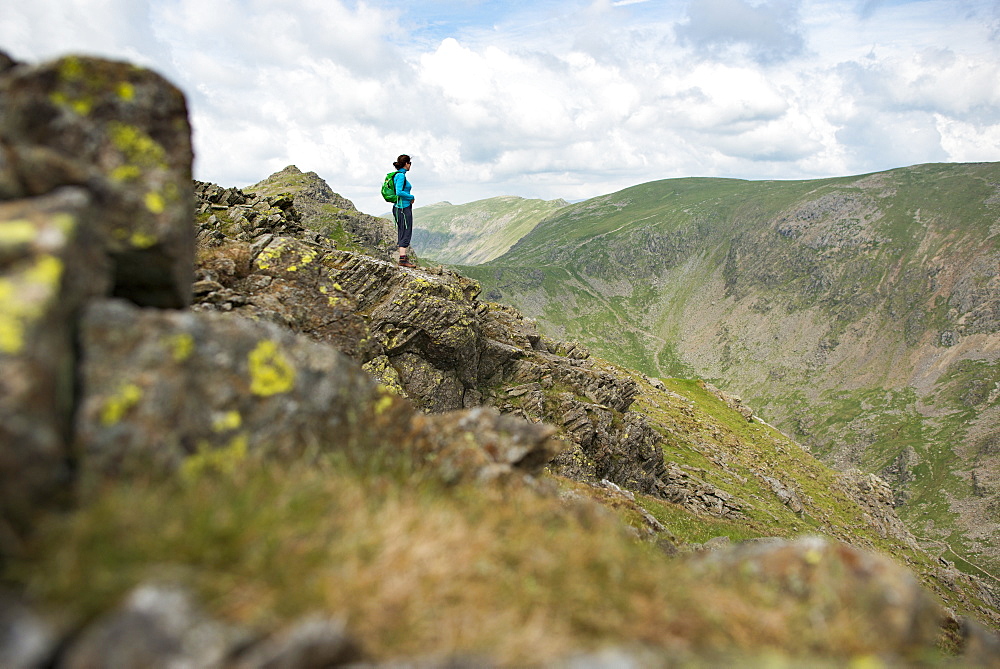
x=402, y=210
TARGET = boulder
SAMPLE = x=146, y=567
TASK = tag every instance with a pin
x=122, y=132
x=159, y=386
x=483, y=445
x=51, y=263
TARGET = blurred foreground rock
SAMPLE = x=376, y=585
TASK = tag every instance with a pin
x=95, y=196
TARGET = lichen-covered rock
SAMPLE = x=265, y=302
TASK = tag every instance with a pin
x=176, y=391
x=328, y=213
x=160, y=386
x=122, y=132
x=51, y=263
x=288, y=281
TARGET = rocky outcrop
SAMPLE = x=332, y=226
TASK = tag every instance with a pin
x=96, y=172
x=122, y=132
x=95, y=178
x=329, y=213
x=876, y=497
x=425, y=334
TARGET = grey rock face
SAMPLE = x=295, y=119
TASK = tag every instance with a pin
x=122, y=131
x=94, y=200
x=160, y=386
x=51, y=263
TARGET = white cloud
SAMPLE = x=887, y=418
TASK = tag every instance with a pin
x=766, y=30
x=557, y=99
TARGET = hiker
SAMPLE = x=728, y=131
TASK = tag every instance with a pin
x=402, y=210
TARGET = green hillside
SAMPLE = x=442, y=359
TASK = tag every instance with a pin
x=479, y=231
x=858, y=314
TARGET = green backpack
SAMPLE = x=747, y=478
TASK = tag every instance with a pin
x=389, y=186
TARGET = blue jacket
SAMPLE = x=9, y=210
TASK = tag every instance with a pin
x=403, y=197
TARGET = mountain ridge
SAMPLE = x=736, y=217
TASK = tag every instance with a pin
x=806, y=297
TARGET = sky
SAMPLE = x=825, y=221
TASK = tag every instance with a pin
x=550, y=98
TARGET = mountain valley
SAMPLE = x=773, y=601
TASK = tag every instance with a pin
x=858, y=314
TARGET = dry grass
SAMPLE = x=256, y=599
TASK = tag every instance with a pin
x=230, y=261
x=415, y=568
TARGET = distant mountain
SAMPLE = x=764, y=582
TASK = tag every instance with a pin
x=479, y=231
x=859, y=314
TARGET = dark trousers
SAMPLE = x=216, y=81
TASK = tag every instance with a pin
x=404, y=225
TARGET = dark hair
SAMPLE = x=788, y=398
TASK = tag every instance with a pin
x=401, y=161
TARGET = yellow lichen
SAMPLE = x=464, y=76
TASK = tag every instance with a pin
x=80, y=105
x=230, y=420
x=24, y=297
x=270, y=371
x=126, y=91
x=137, y=147
x=64, y=222
x=11, y=327
x=126, y=173
x=46, y=271
x=116, y=406
x=155, y=202
x=142, y=240
x=222, y=460
x=181, y=346
x=384, y=402
x=17, y=232
x=70, y=68
x=267, y=255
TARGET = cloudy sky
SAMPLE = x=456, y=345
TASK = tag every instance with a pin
x=551, y=98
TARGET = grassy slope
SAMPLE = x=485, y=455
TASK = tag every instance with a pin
x=478, y=231
x=826, y=328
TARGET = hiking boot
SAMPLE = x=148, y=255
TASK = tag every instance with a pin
x=405, y=262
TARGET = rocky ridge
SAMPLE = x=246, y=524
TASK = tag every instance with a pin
x=110, y=374
x=426, y=335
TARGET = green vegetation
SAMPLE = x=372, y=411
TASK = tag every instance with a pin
x=817, y=301
x=478, y=231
